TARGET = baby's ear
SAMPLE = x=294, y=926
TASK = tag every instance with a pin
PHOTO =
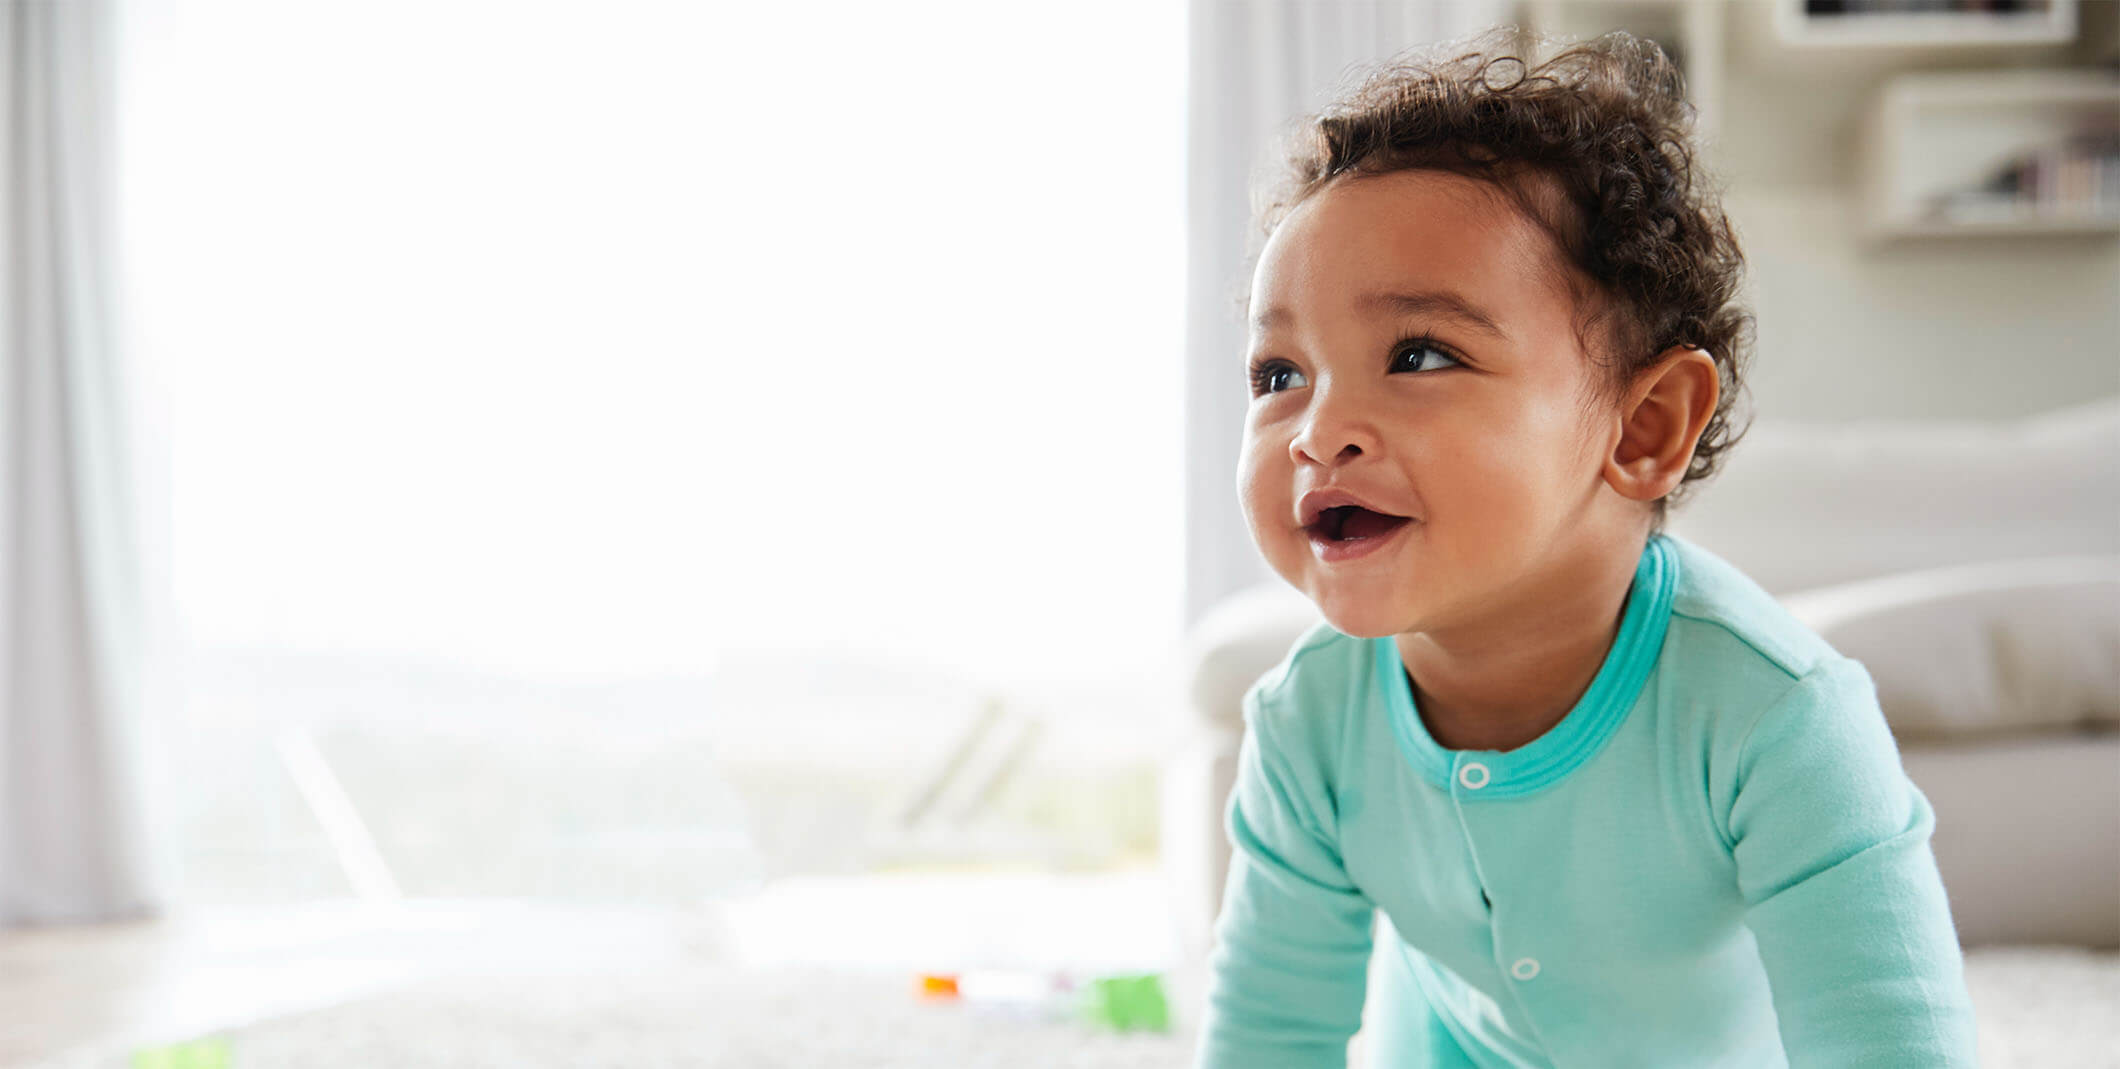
x=1660, y=419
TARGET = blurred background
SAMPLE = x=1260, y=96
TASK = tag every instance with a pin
x=669, y=457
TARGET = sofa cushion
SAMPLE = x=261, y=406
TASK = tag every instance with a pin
x=2005, y=646
x=2027, y=835
x=1800, y=506
x=1241, y=637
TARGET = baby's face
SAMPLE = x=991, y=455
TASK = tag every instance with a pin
x=1421, y=447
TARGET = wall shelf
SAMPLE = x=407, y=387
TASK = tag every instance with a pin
x=1991, y=153
x=2039, y=23
x=1933, y=149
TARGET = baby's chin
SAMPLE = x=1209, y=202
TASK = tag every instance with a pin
x=1364, y=617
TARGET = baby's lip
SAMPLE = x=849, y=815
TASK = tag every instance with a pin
x=1314, y=504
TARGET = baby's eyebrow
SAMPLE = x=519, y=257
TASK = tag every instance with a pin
x=1431, y=302
x=1436, y=302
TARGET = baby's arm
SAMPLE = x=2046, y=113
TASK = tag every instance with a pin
x=1290, y=965
x=1832, y=848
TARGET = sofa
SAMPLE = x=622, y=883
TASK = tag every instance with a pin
x=1972, y=566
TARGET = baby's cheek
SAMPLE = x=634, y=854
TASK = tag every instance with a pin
x=1264, y=493
x=1253, y=472
x=1490, y=497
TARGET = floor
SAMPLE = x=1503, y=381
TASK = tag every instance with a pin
x=195, y=972
x=130, y=986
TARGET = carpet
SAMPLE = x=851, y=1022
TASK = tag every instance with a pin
x=697, y=1016
x=2047, y=1007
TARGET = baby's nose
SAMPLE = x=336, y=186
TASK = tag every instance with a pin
x=1334, y=434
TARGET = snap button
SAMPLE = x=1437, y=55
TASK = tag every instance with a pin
x=1473, y=775
x=1524, y=969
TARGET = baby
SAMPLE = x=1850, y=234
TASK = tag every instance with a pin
x=1605, y=801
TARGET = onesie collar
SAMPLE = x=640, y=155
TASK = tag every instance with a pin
x=1478, y=774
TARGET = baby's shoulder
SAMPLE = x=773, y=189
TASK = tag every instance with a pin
x=1324, y=676
x=1730, y=646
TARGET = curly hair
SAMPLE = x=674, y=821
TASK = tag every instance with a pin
x=1594, y=145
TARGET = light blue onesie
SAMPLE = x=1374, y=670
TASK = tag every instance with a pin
x=1714, y=859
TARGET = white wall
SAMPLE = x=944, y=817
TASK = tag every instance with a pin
x=1988, y=327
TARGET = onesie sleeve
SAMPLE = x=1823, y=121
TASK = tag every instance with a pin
x=1831, y=842
x=1290, y=966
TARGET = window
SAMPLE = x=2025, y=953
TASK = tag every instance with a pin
x=599, y=434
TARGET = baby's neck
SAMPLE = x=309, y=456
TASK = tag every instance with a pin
x=1505, y=681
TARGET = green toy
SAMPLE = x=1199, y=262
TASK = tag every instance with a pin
x=1126, y=1003
x=208, y=1053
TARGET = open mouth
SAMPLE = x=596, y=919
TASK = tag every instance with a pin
x=1350, y=523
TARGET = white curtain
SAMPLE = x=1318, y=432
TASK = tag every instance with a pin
x=74, y=839
x=1259, y=66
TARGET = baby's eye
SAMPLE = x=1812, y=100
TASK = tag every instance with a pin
x=1420, y=354
x=1275, y=376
